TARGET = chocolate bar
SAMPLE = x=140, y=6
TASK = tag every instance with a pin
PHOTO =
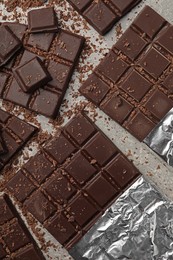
x=32, y=75
x=15, y=133
x=8, y=47
x=103, y=14
x=59, y=52
x=16, y=242
x=132, y=84
x=72, y=180
x=42, y=20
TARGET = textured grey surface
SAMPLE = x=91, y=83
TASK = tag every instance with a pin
x=146, y=161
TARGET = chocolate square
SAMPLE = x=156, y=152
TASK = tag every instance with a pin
x=16, y=237
x=136, y=85
x=32, y=75
x=42, y=20
x=80, y=172
x=39, y=167
x=131, y=44
x=10, y=44
x=159, y=100
x=39, y=206
x=154, y=63
x=94, y=89
x=112, y=67
x=100, y=17
x=96, y=188
x=121, y=170
x=18, y=181
x=97, y=145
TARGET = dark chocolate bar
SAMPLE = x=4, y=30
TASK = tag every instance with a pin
x=9, y=44
x=59, y=52
x=32, y=75
x=16, y=242
x=132, y=84
x=103, y=14
x=15, y=133
x=42, y=20
x=72, y=180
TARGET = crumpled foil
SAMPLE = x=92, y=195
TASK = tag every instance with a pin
x=160, y=139
x=138, y=226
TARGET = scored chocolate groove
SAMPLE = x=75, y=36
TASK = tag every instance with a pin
x=103, y=14
x=59, y=51
x=15, y=133
x=16, y=241
x=133, y=83
x=73, y=179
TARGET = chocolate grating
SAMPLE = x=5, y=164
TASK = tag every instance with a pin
x=73, y=179
x=132, y=84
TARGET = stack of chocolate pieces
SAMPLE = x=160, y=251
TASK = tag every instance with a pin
x=36, y=64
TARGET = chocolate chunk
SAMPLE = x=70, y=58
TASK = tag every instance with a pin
x=62, y=183
x=132, y=84
x=32, y=75
x=9, y=45
x=14, y=135
x=42, y=20
x=17, y=242
x=102, y=15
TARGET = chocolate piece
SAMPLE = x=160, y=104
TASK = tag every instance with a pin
x=62, y=184
x=15, y=133
x=102, y=14
x=41, y=41
x=9, y=45
x=133, y=82
x=32, y=75
x=17, y=242
x=17, y=28
x=42, y=20
x=60, y=63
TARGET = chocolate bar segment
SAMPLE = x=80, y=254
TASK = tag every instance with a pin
x=103, y=14
x=32, y=75
x=10, y=44
x=15, y=133
x=132, y=84
x=72, y=180
x=16, y=241
x=42, y=20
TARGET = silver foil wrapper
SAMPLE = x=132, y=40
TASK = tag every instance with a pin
x=160, y=139
x=138, y=226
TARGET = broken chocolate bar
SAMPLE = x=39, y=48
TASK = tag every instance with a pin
x=62, y=185
x=103, y=14
x=132, y=84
